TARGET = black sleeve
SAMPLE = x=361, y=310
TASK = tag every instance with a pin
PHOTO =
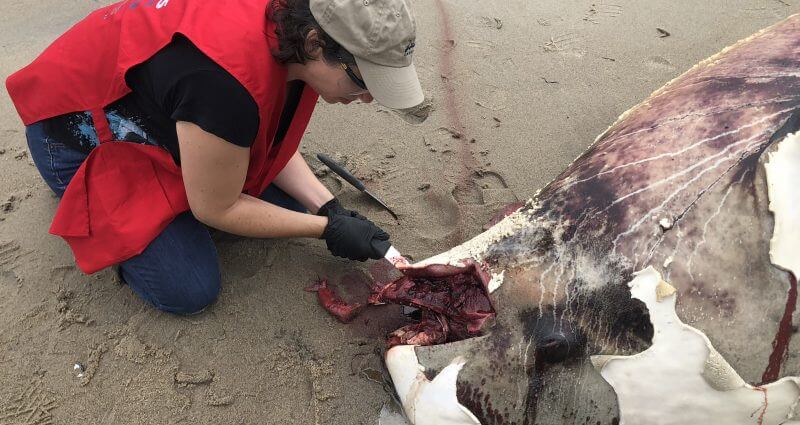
x=188, y=86
x=217, y=103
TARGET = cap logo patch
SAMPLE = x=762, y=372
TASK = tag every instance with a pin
x=409, y=48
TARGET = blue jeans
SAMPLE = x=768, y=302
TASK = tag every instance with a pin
x=179, y=271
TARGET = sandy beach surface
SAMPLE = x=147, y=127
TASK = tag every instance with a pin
x=517, y=90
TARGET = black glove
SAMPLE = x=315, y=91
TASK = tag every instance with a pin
x=334, y=207
x=355, y=238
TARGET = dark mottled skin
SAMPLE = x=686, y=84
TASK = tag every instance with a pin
x=693, y=154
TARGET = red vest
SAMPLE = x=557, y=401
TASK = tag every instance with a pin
x=125, y=194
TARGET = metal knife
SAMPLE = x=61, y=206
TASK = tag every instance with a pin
x=394, y=256
x=344, y=174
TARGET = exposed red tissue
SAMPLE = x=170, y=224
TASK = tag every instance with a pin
x=454, y=303
x=335, y=305
x=426, y=332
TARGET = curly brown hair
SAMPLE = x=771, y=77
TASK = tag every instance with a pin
x=294, y=21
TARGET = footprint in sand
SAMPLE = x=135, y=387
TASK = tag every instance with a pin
x=12, y=203
x=417, y=114
x=493, y=99
x=31, y=406
x=659, y=63
x=441, y=219
x=599, y=12
x=333, y=183
x=490, y=180
x=491, y=22
x=571, y=42
x=12, y=257
x=9, y=253
x=443, y=140
x=487, y=188
x=62, y=273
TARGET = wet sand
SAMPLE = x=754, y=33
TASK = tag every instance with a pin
x=518, y=89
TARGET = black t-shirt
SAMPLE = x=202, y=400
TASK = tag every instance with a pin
x=179, y=83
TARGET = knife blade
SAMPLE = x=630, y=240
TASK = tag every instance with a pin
x=353, y=180
x=393, y=256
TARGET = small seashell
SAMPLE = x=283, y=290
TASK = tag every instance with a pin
x=79, y=370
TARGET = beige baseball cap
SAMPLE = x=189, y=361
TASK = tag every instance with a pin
x=381, y=35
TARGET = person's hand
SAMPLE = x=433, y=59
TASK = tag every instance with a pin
x=335, y=207
x=355, y=238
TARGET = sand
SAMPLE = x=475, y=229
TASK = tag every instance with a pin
x=518, y=89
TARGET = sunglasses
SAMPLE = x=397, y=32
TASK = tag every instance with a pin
x=353, y=77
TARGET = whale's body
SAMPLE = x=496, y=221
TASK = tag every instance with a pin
x=679, y=190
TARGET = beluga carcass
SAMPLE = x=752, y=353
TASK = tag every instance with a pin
x=654, y=281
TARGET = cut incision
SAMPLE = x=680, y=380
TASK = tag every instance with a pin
x=453, y=301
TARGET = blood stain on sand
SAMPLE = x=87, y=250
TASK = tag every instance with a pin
x=453, y=111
